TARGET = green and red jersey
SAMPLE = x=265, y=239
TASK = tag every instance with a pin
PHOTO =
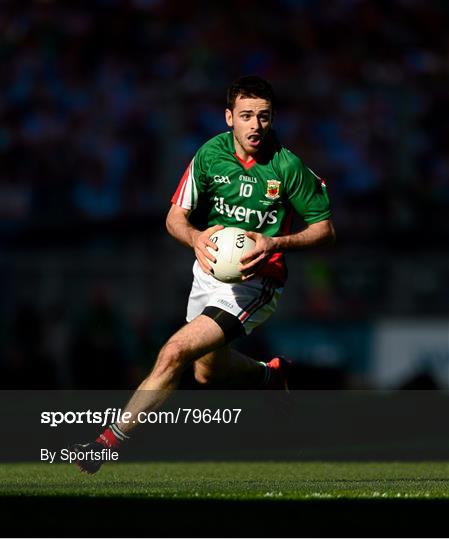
x=257, y=195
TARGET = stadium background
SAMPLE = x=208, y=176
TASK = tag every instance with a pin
x=102, y=108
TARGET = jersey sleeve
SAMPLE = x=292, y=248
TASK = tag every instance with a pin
x=307, y=192
x=191, y=184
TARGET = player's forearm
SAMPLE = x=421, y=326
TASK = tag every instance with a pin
x=316, y=234
x=179, y=226
x=185, y=233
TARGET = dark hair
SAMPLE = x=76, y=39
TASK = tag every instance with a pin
x=250, y=86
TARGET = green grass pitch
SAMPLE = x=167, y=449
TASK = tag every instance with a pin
x=238, y=481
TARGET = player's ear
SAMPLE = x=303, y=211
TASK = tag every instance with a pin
x=228, y=117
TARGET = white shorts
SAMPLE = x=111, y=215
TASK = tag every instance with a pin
x=252, y=301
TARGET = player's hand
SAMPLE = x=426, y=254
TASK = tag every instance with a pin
x=253, y=260
x=200, y=244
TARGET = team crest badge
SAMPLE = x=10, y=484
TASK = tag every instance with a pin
x=273, y=188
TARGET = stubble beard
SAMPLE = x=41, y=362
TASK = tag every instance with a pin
x=248, y=149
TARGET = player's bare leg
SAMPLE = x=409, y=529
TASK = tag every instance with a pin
x=192, y=341
x=232, y=368
x=229, y=366
x=202, y=340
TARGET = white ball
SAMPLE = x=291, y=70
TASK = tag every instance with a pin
x=232, y=244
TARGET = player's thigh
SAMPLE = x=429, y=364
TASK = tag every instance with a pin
x=197, y=338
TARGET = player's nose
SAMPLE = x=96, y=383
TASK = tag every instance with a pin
x=255, y=124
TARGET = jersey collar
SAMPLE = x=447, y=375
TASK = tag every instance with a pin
x=246, y=164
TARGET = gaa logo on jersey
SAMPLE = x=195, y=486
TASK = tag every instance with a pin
x=273, y=188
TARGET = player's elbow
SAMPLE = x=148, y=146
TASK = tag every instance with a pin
x=170, y=221
x=176, y=217
x=169, y=224
x=324, y=233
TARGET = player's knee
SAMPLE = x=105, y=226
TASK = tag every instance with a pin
x=171, y=357
x=204, y=374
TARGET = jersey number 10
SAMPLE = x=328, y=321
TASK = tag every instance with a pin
x=246, y=190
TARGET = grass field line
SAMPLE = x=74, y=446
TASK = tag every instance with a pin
x=232, y=480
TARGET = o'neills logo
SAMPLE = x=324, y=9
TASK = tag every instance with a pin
x=272, y=189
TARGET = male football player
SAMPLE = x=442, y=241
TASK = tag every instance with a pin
x=244, y=178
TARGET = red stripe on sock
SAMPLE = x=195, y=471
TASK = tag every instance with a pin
x=108, y=439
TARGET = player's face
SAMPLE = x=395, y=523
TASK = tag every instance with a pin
x=251, y=120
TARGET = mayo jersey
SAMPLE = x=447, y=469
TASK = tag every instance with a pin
x=258, y=196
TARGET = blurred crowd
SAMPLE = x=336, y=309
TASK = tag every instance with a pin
x=98, y=347
x=104, y=103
